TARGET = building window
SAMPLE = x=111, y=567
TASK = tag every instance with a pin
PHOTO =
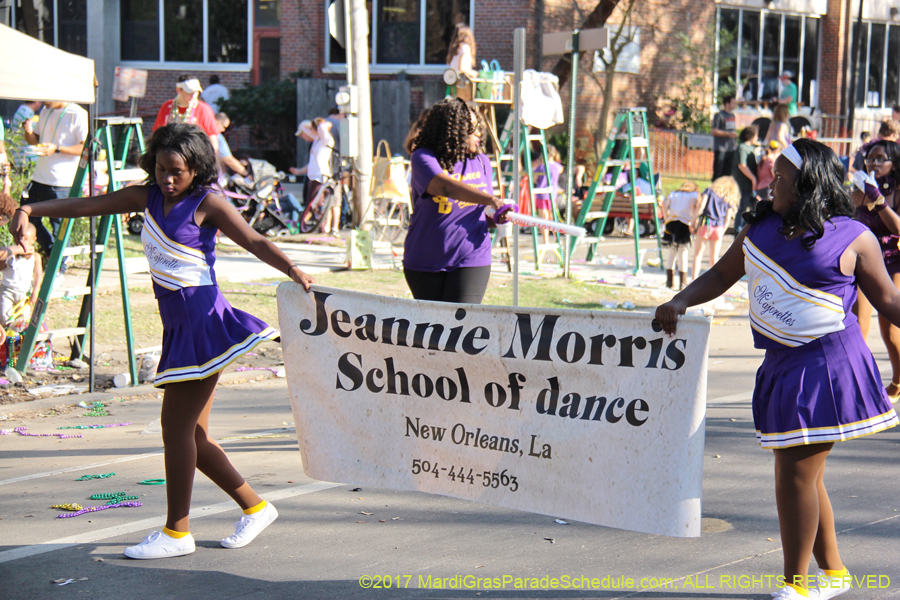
x=60, y=23
x=194, y=33
x=759, y=45
x=878, y=71
x=405, y=32
x=268, y=13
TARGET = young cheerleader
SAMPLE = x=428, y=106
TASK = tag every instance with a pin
x=878, y=210
x=677, y=211
x=715, y=210
x=804, y=256
x=202, y=333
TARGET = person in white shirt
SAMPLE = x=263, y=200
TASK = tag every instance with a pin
x=214, y=93
x=59, y=135
x=21, y=274
x=318, y=169
x=461, y=55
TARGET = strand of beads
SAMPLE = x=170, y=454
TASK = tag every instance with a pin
x=89, y=477
x=73, y=506
x=113, y=497
x=97, y=410
x=62, y=436
x=95, y=426
x=90, y=509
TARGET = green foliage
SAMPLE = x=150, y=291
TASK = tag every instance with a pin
x=270, y=109
x=699, y=63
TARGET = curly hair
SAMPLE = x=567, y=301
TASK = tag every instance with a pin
x=190, y=143
x=727, y=189
x=8, y=205
x=446, y=130
x=820, y=194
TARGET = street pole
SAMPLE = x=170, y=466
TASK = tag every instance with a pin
x=518, y=70
x=359, y=26
x=570, y=159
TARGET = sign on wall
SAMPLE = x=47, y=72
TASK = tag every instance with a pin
x=591, y=416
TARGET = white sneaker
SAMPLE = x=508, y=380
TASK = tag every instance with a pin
x=789, y=593
x=250, y=526
x=831, y=586
x=160, y=545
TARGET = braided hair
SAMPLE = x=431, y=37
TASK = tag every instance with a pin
x=820, y=194
x=445, y=132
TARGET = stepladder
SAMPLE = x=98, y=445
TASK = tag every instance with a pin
x=627, y=149
x=115, y=136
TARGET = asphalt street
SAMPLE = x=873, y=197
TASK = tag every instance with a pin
x=334, y=540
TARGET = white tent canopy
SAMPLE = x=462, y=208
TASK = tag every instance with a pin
x=33, y=70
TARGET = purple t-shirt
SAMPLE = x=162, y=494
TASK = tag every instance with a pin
x=444, y=233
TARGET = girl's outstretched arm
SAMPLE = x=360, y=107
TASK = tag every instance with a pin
x=216, y=211
x=127, y=200
x=864, y=258
x=712, y=284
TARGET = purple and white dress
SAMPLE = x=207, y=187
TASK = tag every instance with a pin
x=202, y=333
x=819, y=381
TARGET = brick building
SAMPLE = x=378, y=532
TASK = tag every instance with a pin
x=248, y=41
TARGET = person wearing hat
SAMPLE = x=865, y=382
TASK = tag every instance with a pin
x=788, y=93
x=318, y=169
x=187, y=107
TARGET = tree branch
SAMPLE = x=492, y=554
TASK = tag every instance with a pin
x=597, y=18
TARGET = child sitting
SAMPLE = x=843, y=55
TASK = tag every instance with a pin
x=21, y=273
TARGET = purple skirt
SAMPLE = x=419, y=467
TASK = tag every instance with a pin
x=203, y=334
x=828, y=390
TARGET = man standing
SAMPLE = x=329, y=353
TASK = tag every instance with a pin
x=63, y=129
x=215, y=93
x=724, y=134
x=187, y=107
x=788, y=93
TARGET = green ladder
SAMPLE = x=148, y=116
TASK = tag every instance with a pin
x=630, y=128
x=128, y=129
x=539, y=249
x=506, y=174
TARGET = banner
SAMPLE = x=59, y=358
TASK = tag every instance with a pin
x=591, y=416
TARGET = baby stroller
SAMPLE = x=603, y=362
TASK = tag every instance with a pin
x=261, y=199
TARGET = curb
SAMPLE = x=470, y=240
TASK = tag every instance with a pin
x=11, y=410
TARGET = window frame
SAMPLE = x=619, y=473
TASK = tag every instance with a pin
x=865, y=65
x=12, y=19
x=420, y=68
x=205, y=65
x=763, y=13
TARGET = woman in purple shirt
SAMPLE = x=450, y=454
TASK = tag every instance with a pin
x=447, y=253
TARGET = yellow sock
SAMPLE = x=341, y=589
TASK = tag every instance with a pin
x=800, y=590
x=175, y=534
x=840, y=573
x=255, y=509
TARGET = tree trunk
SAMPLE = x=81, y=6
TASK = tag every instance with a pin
x=597, y=18
x=602, y=122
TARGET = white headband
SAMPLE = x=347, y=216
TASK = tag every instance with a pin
x=792, y=155
x=190, y=86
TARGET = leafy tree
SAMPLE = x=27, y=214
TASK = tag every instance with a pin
x=270, y=109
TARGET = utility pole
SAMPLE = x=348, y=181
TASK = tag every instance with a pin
x=359, y=28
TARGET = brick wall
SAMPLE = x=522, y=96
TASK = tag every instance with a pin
x=161, y=87
x=834, y=52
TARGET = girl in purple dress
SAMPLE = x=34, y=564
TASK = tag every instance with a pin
x=804, y=256
x=202, y=333
x=447, y=252
x=879, y=210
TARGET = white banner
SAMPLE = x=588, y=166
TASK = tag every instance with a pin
x=591, y=416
